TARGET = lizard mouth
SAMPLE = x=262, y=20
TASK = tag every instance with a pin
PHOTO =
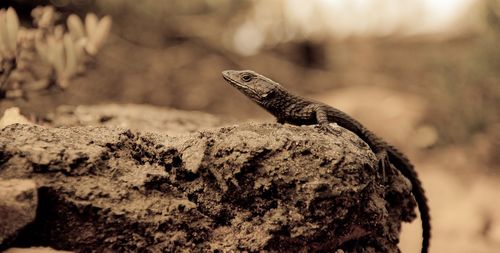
x=237, y=84
x=232, y=81
x=243, y=88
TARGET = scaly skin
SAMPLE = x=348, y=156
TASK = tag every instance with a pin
x=292, y=109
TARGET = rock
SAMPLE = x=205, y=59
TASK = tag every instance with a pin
x=254, y=187
x=133, y=116
x=12, y=115
x=18, y=203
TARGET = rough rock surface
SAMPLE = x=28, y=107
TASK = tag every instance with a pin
x=145, y=118
x=252, y=187
x=18, y=201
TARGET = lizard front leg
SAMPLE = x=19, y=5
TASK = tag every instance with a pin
x=324, y=124
x=322, y=119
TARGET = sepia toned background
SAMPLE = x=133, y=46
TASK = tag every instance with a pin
x=425, y=75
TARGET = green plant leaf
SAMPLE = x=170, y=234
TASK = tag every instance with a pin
x=101, y=32
x=12, y=28
x=75, y=27
x=3, y=35
x=71, y=60
x=91, y=22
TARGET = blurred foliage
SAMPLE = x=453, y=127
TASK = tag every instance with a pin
x=33, y=59
x=465, y=92
x=173, y=21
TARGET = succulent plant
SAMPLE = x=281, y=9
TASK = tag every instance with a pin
x=9, y=28
x=47, y=55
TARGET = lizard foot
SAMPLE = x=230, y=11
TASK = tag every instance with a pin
x=328, y=129
x=384, y=163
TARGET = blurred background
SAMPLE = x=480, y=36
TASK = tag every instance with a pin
x=423, y=74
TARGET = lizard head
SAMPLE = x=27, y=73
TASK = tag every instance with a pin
x=252, y=84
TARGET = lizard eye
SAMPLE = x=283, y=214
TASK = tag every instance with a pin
x=246, y=77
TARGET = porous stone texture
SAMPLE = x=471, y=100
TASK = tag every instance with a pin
x=18, y=202
x=253, y=187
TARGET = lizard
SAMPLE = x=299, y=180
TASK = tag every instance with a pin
x=293, y=109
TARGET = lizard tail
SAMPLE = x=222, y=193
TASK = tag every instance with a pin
x=403, y=164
